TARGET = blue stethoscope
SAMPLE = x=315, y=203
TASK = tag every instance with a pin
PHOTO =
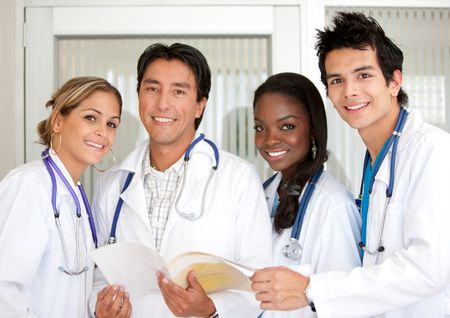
x=51, y=167
x=293, y=249
x=391, y=142
x=188, y=215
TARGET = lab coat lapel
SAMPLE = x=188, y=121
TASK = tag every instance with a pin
x=134, y=196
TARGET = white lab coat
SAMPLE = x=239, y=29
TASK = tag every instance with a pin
x=31, y=285
x=411, y=277
x=329, y=236
x=235, y=225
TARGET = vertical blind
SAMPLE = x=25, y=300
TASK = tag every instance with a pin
x=423, y=36
x=238, y=65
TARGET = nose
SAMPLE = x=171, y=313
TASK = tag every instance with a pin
x=100, y=131
x=350, y=89
x=163, y=101
x=273, y=138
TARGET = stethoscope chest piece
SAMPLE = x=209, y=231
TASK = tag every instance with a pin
x=293, y=249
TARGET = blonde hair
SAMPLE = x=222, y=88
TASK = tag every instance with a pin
x=68, y=97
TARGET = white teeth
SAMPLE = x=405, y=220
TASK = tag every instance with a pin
x=164, y=119
x=355, y=107
x=95, y=145
x=276, y=153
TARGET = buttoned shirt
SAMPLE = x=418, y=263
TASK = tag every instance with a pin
x=160, y=188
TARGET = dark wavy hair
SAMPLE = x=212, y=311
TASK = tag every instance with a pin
x=357, y=31
x=301, y=90
x=184, y=53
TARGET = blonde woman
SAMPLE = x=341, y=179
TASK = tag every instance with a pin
x=46, y=225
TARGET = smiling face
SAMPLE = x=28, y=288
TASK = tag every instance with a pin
x=359, y=92
x=168, y=104
x=282, y=132
x=88, y=132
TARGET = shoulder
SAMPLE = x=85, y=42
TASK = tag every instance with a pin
x=332, y=191
x=422, y=136
x=230, y=161
x=132, y=163
x=32, y=173
x=25, y=187
x=335, y=206
x=238, y=170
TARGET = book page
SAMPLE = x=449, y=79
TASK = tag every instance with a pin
x=132, y=265
x=213, y=272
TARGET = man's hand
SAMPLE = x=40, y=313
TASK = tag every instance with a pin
x=188, y=302
x=280, y=288
x=113, y=302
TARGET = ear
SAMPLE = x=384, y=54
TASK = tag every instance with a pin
x=57, y=122
x=200, y=107
x=396, y=83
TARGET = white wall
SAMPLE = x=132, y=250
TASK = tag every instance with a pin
x=8, y=105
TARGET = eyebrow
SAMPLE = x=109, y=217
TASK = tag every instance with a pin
x=150, y=81
x=363, y=68
x=279, y=119
x=176, y=84
x=93, y=109
x=356, y=70
x=287, y=117
x=100, y=113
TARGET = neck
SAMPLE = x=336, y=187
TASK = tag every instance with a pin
x=162, y=156
x=375, y=137
x=75, y=170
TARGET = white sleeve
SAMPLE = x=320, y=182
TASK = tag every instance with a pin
x=23, y=240
x=420, y=269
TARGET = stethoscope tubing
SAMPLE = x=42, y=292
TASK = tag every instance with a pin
x=51, y=167
x=303, y=205
x=304, y=202
x=112, y=236
x=187, y=155
x=392, y=142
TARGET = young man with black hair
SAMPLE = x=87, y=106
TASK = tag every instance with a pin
x=177, y=206
x=406, y=218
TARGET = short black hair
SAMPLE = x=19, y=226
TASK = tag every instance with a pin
x=357, y=31
x=187, y=54
x=304, y=93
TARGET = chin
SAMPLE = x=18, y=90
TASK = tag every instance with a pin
x=277, y=167
x=95, y=160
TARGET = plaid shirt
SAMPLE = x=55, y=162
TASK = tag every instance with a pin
x=159, y=189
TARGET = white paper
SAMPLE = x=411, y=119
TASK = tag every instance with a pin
x=132, y=265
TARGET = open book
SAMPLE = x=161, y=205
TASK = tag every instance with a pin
x=134, y=266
